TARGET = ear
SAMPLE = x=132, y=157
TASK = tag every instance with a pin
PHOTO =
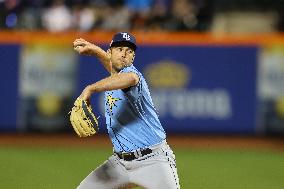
x=133, y=57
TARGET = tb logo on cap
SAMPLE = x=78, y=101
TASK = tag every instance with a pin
x=126, y=36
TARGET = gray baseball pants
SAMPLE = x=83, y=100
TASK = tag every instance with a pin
x=156, y=170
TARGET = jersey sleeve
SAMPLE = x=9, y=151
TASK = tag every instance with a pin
x=134, y=91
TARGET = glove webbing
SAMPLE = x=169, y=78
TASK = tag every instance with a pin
x=90, y=115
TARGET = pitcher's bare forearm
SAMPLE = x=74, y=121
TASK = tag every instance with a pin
x=103, y=57
x=113, y=82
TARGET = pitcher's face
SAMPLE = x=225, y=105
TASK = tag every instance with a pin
x=121, y=57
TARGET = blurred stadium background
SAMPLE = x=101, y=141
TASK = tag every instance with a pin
x=215, y=68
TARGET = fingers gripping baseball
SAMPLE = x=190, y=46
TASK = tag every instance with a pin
x=83, y=47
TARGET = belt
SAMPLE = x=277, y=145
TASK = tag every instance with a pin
x=129, y=156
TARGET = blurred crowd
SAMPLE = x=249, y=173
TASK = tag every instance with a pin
x=86, y=15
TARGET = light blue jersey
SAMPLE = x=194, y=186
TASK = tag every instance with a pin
x=131, y=118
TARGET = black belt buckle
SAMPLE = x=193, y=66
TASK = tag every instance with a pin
x=129, y=156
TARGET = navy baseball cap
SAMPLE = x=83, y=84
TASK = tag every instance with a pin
x=123, y=39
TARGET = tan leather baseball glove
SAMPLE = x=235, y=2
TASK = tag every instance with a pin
x=82, y=119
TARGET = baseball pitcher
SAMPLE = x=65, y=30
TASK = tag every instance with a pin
x=141, y=155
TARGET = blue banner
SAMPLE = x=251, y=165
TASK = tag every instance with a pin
x=195, y=89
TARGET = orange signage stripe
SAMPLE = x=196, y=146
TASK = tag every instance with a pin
x=145, y=38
